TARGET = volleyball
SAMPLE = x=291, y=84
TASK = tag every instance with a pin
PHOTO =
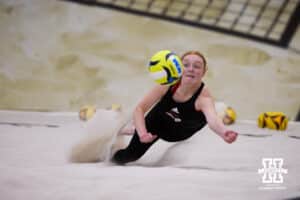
x=87, y=112
x=226, y=113
x=272, y=120
x=230, y=116
x=165, y=67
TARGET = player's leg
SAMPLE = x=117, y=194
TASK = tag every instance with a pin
x=135, y=150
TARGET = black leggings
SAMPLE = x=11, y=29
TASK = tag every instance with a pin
x=159, y=124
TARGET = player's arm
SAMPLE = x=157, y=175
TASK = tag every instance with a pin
x=152, y=97
x=205, y=103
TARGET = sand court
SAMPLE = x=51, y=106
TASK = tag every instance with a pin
x=35, y=164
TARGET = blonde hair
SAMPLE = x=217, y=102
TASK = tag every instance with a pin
x=195, y=53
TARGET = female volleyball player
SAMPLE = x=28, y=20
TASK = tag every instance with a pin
x=174, y=113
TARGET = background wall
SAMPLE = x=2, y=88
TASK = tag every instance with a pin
x=59, y=56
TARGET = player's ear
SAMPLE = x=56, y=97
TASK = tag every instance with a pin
x=205, y=70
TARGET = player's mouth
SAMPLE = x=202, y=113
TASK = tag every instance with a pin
x=190, y=76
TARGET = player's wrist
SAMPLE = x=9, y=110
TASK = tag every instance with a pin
x=142, y=133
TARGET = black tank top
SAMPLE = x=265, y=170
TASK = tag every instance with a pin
x=182, y=112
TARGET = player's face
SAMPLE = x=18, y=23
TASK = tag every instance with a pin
x=194, y=68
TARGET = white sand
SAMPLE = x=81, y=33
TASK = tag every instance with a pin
x=35, y=165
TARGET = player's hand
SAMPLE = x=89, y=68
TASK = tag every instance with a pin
x=230, y=136
x=147, y=137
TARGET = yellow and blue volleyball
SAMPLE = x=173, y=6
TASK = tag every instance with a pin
x=165, y=67
x=273, y=120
